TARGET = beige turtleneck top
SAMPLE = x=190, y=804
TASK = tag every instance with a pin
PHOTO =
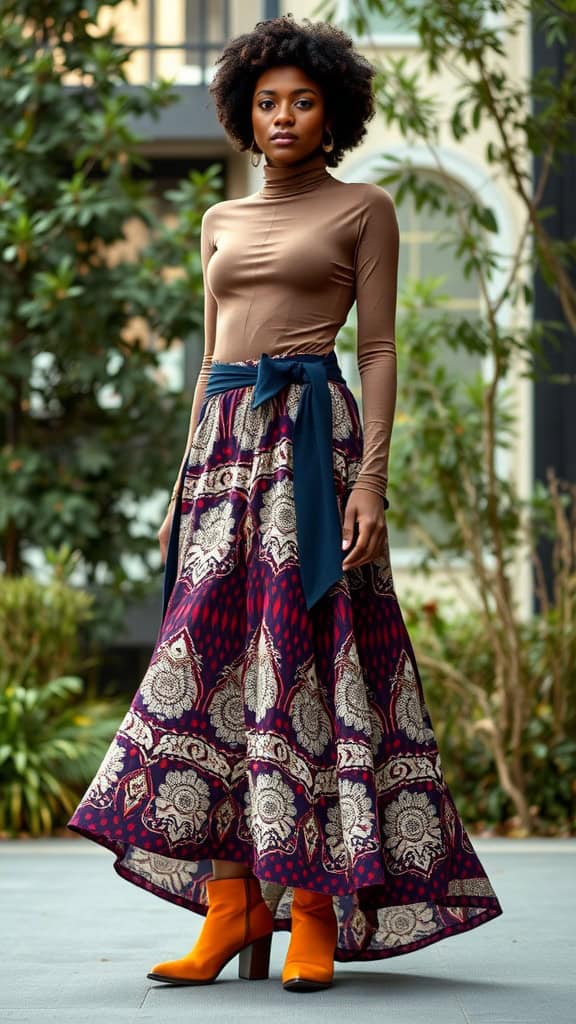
x=282, y=268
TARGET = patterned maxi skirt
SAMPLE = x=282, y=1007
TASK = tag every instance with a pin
x=296, y=741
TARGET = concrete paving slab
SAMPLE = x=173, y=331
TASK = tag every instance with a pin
x=76, y=942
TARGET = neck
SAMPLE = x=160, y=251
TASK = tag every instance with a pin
x=291, y=179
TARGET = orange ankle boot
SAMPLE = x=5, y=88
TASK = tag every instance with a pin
x=310, y=959
x=238, y=921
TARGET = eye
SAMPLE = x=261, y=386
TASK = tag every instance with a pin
x=265, y=104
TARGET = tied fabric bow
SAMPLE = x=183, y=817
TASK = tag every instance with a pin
x=318, y=525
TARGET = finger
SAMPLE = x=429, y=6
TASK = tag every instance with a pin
x=375, y=547
x=348, y=525
x=376, y=543
x=352, y=560
x=372, y=539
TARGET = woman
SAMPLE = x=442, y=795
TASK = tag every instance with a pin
x=278, y=768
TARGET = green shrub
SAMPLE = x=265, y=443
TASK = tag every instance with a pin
x=458, y=671
x=52, y=736
x=51, y=743
x=39, y=628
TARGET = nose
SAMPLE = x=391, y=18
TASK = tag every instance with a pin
x=283, y=116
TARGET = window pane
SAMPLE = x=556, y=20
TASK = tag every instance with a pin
x=436, y=260
x=380, y=24
x=206, y=21
x=386, y=24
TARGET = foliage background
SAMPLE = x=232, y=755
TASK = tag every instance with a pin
x=89, y=431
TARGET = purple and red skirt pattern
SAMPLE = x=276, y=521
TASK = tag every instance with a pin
x=296, y=741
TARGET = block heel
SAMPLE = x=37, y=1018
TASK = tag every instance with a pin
x=254, y=960
x=238, y=923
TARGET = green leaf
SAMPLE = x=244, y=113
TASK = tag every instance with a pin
x=487, y=218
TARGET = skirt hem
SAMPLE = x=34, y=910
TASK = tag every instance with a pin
x=490, y=905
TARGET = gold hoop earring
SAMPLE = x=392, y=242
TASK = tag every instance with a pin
x=330, y=146
x=255, y=162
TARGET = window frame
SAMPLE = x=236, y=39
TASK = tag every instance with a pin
x=474, y=178
x=401, y=40
x=395, y=40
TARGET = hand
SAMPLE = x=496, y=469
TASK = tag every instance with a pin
x=367, y=508
x=164, y=532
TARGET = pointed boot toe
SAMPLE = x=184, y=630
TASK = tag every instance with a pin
x=306, y=977
x=309, y=964
x=238, y=923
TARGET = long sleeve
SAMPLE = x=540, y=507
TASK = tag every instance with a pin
x=210, y=314
x=376, y=264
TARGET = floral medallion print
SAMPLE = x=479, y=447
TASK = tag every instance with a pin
x=309, y=716
x=100, y=792
x=414, y=836
x=278, y=543
x=271, y=811
x=181, y=807
x=170, y=874
x=206, y=435
x=399, y=925
x=226, y=710
x=350, y=698
x=407, y=704
x=357, y=814
x=336, y=854
x=293, y=740
x=171, y=683
x=210, y=550
x=260, y=676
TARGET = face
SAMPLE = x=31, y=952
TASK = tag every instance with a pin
x=286, y=100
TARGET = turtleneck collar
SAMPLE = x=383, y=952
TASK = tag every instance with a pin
x=292, y=179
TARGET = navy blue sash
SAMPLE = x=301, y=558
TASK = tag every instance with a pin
x=318, y=525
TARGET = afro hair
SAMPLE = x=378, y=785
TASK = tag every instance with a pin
x=325, y=53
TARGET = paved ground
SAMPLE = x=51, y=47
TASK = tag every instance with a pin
x=76, y=942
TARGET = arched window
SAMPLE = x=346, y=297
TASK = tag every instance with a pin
x=422, y=255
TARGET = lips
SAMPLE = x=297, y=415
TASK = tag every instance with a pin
x=283, y=135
